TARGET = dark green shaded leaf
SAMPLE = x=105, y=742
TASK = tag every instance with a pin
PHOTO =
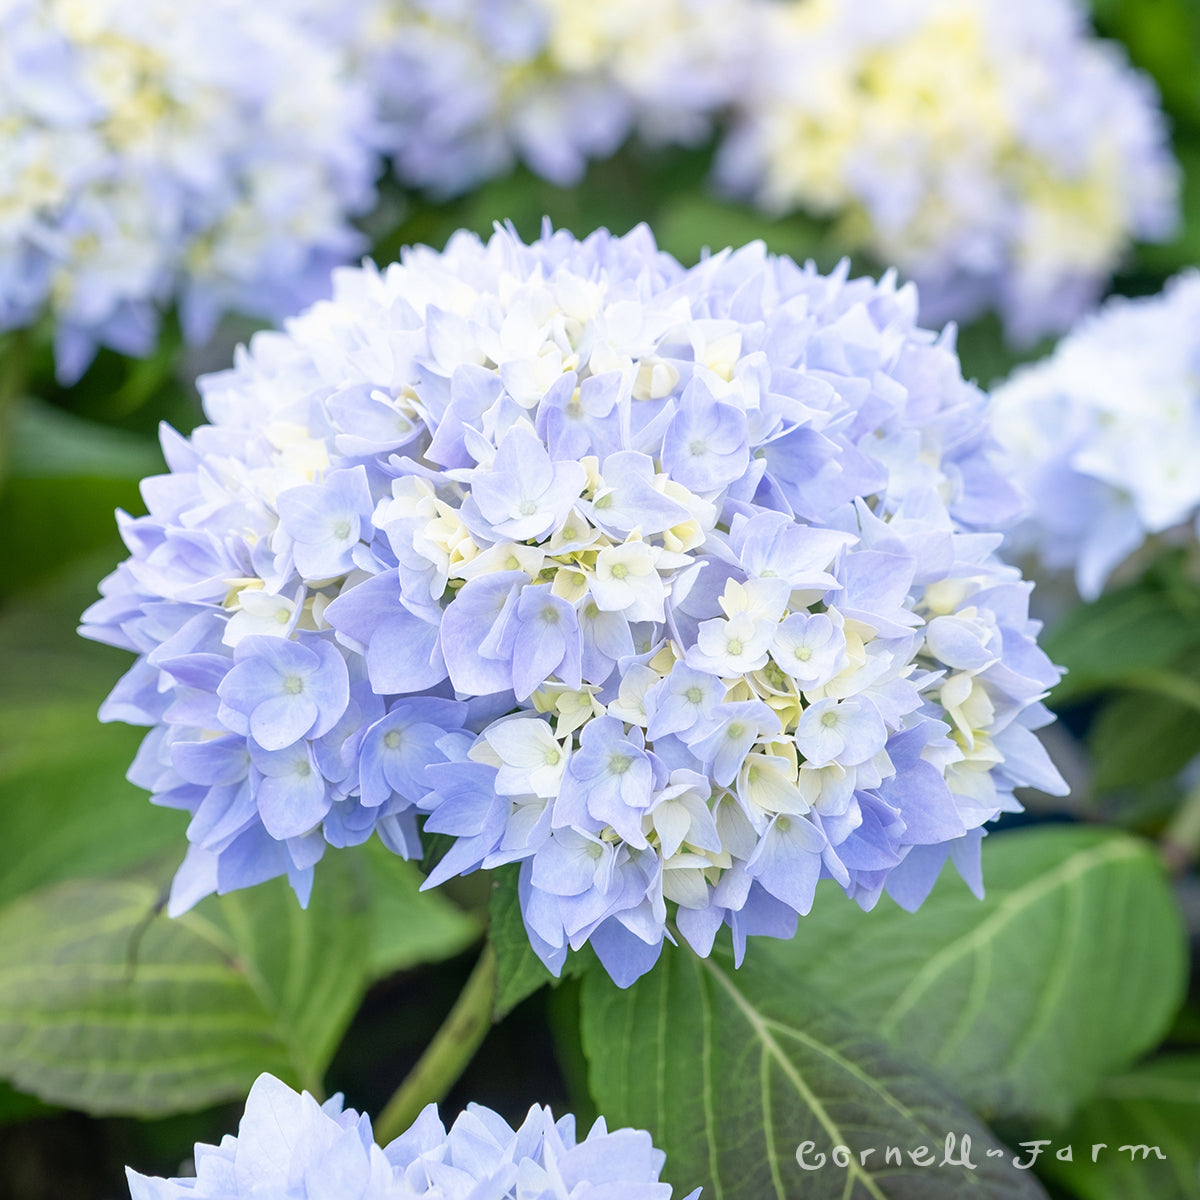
x=1071, y=967
x=50, y=443
x=44, y=659
x=1142, y=736
x=65, y=477
x=1156, y=1105
x=695, y=221
x=410, y=927
x=1163, y=37
x=519, y=972
x=16, y=1107
x=1183, y=250
x=732, y=1071
x=1134, y=629
x=987, y=356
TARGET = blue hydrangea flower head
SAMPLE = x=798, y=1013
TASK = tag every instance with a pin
x=676, y=587
x=289, y=1147
x=995, y=151
x=1104, y=433
x=160, y=151
x=465, y=88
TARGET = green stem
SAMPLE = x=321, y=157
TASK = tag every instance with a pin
x=14, y=371
x=447, y=1056
x=1181, y=838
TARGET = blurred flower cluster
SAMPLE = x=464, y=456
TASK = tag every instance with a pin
x=153, y=151
x=672, y=585
x=1102, y=434
x=290, y=1146
x=993, y=150
x=465, y=88
x=159, y=152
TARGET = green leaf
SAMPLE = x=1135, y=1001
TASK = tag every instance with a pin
x=1163, y=37
x=108, y=1005
x=1071, y=967
x=1143, y=736
x=51, y=443
x=43, y=656
x=65, y=477
x=519, y=971
x=1156, y=1105
x=68, y=809
x=16, y=1107
x=694, y=221
x=408, y=926
x=1166, y=258
x=986, y=354
x=1126, y=631
x=732, y=1071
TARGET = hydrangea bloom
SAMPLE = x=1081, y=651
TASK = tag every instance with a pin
x=1104, y=434
x=675, y=586
x=289, y=1146
x=163, y=149
x=993, y=150
x=465, y=87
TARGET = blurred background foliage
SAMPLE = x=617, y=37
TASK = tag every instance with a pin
x=345, y=995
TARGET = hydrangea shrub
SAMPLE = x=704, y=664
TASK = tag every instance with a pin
x=288, y=1145
x=995, y=151
x=1103, y=432
x=678, y=587
x=171, y=150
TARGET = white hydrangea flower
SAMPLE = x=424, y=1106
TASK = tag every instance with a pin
x=467, y=87
x=993, y=150
x=162, y=150
x=1104, y=435
x=700, y=648
x=289, y=1146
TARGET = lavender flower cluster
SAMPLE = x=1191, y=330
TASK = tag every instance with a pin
x=676, y=586
x=1102, y=435
x=464, y=88
x=289, y=1146
x=163, y=150
x=994, y=150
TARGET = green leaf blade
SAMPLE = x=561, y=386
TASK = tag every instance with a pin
x=69, y=811
x=81, y=1025
x=519, y=971
x=1141, y=737
x=1071, y=967
x=1143, y=627
x=1156, y=1105
x=109, y=1006
x=66, y=477
x=410, y=927
x=732, y=1071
